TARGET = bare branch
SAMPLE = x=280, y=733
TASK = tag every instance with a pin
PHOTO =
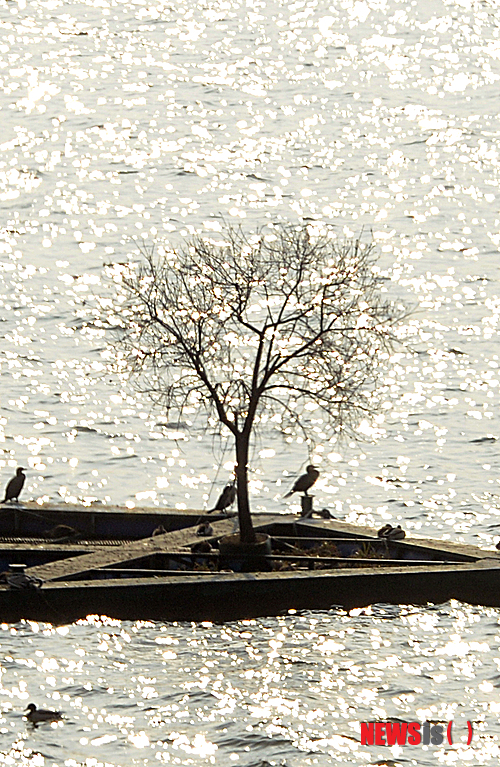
x=280, y=322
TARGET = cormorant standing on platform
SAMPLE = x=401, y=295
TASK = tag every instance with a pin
x=226, y=498
x=305, y=481
x=15, y=486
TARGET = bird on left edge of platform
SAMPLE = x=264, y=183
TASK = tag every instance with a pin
x=37, y=715
x=14, y=486
x=304, y=482
x=226, y=498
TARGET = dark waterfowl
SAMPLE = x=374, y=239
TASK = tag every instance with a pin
x=160, y=530
x=226, y=498
x=37, y=715
x=61, y=533
x=392, y=533
x=205, y=529
x=382, y=533
x=396, y=534
x=15, y=486
x=304, y=482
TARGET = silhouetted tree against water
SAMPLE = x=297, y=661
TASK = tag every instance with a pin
x=261, y=330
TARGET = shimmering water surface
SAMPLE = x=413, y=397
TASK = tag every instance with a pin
x=130, y=120
x=289, y=691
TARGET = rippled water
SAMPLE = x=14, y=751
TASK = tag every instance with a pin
x=289, y=691
x=131, y=120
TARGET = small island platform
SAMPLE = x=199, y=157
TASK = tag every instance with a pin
x=63, y=562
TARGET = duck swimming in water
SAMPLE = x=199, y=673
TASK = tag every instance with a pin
x=37, y=715
x=15, y=486
x=304, y=482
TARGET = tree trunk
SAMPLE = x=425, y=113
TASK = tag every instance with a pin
x=247, y=533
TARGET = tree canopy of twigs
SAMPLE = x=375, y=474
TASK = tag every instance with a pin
x=259, y=328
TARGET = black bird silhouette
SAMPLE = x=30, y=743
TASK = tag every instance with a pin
x=15, y=486
x=37, y=715
x=226, y=498
x=304, y=482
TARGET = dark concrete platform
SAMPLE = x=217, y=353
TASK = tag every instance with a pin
x=140, y=579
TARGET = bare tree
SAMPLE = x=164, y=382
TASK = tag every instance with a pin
x=263, y=328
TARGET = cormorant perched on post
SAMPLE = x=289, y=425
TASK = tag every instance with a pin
x=15, y=486
x=226, y=498
x=305, y=481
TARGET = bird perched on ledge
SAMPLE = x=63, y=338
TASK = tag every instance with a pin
x=226, y=498
x=205, y=529
x=15, y=486
x=304, y=482
x=391, y=533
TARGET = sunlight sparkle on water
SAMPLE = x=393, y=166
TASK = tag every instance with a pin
x=128, y=122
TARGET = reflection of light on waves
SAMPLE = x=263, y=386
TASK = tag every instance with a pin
x=371, y=430
x=110, y=177
x=91, y=169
